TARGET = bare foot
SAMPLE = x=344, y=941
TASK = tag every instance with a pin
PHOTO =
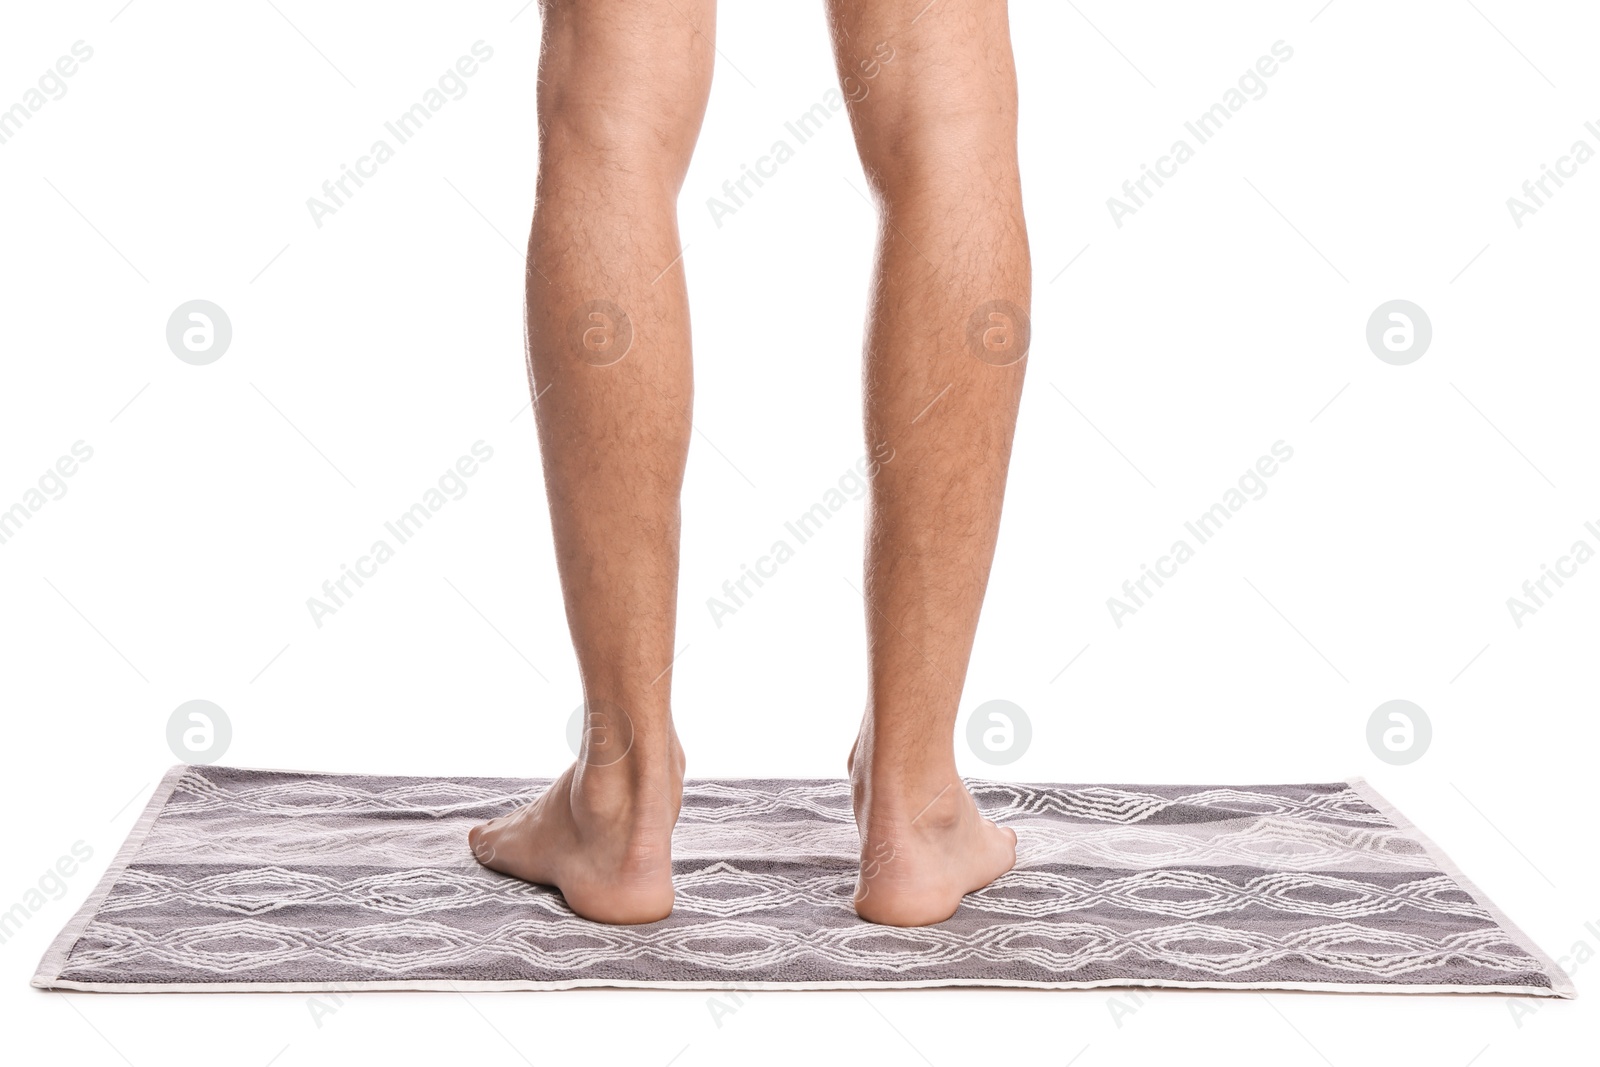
x=601, y=835
x=923, y=848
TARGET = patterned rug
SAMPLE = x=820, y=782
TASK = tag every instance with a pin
x=266, y=880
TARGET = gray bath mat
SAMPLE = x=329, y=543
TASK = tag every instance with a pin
x=268, y=880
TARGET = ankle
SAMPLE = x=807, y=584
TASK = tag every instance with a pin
x=902, y=765
x=635, y=737
x=926, y=798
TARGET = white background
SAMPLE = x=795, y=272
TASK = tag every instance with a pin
x=1227, y=314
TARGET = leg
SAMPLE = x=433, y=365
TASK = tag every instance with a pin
x=622, y=90
x=933, y=105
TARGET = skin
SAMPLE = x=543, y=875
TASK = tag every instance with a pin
x=932, y=99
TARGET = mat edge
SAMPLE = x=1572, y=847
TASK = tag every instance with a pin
x=513, y=986
x=55, y=957
x=1561, y=983
x=739, y=779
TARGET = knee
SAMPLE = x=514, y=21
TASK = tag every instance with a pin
x=621, y=96
x=944, y=157
x=935, y=112
x=939, y=141
x=647, y=145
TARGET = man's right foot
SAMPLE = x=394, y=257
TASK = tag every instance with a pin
x=601, y=835
x=923, y=848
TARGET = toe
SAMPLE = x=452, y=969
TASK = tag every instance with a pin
x=481, y=840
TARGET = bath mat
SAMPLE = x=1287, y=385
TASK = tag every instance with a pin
x=239, y=880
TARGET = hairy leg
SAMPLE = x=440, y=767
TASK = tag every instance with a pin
x=932, y=96
x=622, y=91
